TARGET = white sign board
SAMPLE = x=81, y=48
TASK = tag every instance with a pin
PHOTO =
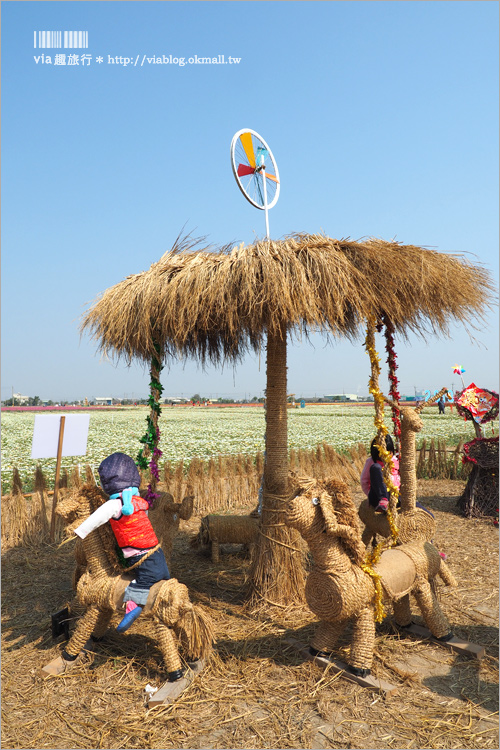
x=46, y=435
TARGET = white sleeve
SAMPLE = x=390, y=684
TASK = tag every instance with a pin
x=110, y=509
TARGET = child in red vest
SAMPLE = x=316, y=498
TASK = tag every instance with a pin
x=127, y=512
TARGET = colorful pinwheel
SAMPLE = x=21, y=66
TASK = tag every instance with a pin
x=255, y=170
x=458, y=370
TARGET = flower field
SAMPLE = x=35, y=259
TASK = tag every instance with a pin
x=203, y=432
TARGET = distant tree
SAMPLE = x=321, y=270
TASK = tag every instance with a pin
x=196, y=397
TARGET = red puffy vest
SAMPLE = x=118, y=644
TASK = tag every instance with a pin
x=135, y=530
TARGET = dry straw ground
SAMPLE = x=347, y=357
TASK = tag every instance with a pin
x=255, y=691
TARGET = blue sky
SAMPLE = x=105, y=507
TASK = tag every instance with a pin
x=383, y=118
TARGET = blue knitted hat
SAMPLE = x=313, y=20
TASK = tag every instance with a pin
x=117, y=472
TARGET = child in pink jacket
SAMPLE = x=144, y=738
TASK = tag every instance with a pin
x=372, y=479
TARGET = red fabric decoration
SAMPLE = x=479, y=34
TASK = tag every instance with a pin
x=477, y=404
x=393, y=380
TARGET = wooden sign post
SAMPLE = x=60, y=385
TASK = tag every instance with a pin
x=56, y=484
x=55, y=436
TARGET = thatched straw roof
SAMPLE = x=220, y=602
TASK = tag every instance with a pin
x=216, y=305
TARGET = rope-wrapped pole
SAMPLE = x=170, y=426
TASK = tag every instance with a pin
x=278, y=574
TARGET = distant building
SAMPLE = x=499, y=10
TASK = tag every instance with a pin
x=341, y=397
x=19, y=399
x=104, y=401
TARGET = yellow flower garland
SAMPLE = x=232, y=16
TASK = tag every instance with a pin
x=373, y=386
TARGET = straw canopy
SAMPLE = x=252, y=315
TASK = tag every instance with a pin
x=216, y=305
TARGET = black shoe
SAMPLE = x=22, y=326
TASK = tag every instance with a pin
x=445, y=638
x=321, y=654
x=358, y=671
x=176, y=675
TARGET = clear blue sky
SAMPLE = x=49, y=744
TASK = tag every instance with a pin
x=383, y=117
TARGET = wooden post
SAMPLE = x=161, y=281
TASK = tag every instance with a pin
x=56, y=484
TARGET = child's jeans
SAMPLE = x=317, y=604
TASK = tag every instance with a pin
x=152, y=570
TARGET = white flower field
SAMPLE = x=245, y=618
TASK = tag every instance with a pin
x=203, y=432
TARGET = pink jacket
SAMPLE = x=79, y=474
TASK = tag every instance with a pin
x=365, y=474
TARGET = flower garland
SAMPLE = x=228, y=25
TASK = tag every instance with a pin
x=393, y=379
x=151, y=438
x=373, y=386
x=378, y=398
x=379, y=611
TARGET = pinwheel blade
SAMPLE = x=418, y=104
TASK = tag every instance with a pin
x=246, y=142
x=271, y=177
x=244, y=169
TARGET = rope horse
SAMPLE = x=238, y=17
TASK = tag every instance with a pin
x=341, y=588
x=413, y=523
x=102, y=585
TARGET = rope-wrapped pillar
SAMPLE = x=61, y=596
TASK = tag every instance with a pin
x=278, y=573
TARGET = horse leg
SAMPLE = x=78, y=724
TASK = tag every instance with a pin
x=363, y=640
x=168, y=648
x=84, y=629
x=446, y=575
x=431, y=611
x=102, y=623
x=402, y=611
x=215, y=551
x=326, y=636
x=367, y=536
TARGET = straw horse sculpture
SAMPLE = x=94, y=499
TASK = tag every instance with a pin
x=165, y=516
x=216, y=530
x=414, y=524
x=102, y=586
x=339, y=589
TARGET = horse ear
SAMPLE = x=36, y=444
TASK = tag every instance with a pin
x=325, y=502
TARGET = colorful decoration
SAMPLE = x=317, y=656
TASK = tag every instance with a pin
x=151, y=438
x=393, y=380
x=459, y=370
x=382, y=431
x=477, y=404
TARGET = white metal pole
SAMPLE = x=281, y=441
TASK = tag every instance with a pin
x=263, y=173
